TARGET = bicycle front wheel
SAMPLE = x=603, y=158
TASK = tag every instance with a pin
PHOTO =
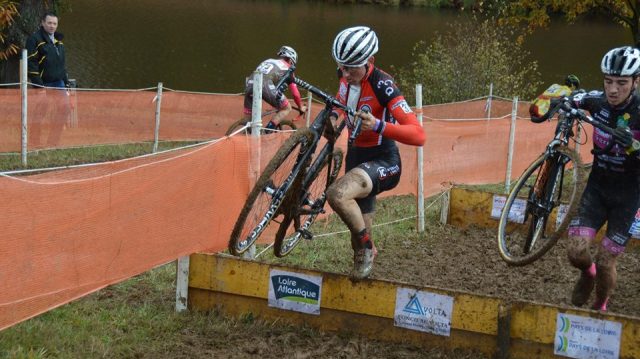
x=269, y=192
x=310, y=203
x=553, y=179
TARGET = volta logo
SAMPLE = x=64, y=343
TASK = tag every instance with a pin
x=414, y=307
x=295, y=289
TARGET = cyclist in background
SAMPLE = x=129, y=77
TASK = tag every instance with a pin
x=573, y=82
x=273, y=70
x=612, y=193
x=373, y=160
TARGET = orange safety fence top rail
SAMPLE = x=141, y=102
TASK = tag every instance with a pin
x=71, y=232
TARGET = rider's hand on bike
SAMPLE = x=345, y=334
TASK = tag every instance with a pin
x=623, y=136
x=303, y=109
x=368, y=120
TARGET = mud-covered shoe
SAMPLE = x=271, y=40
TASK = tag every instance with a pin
x=363, y=260
x=582, y=290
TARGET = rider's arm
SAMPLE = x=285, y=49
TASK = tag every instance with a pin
x=296, y=94
x=407, y=129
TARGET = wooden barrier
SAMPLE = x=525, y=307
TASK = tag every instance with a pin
x=487, y=324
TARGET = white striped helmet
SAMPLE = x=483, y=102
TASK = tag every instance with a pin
x=621, y=61
x=354, y=46
x=288, y=52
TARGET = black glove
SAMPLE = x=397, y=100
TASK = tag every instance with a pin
x=623, y=136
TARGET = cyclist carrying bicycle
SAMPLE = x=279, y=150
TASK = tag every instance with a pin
x=273, y=70
x=373, y=160
x=612, y=193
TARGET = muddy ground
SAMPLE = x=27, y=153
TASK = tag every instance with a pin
x=450, y=258
x=468, y=259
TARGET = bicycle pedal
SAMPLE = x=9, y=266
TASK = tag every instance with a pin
x=305, y=233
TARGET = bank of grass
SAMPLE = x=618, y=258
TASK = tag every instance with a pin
x=82, y=155
x=395, y=217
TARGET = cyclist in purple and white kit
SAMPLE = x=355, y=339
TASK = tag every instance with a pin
x=612, y=194
x=273, y=70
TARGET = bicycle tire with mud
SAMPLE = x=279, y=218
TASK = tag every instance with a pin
x=288, y=153
x=577, y=187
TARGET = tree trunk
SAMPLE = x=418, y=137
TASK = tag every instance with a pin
x=25, y=24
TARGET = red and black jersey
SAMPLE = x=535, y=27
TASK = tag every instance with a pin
x=379, y=95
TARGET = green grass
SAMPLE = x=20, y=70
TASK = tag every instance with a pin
x=328, y=252
x=81, y=155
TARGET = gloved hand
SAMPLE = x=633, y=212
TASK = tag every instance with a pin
x=623, y=136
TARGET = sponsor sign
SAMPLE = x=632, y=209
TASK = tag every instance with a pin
x=295, y=291
x=423, y=311
x=516, y=214
x=582, y=337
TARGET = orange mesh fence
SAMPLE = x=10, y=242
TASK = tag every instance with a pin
x=60, y=118
x=71, y=232
x=10, y=120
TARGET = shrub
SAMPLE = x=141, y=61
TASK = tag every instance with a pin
x=462, y=63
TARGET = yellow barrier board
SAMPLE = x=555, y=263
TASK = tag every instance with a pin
x=498, y=329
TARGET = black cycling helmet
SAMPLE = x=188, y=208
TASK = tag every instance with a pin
x=621, y=61
x=572, y=81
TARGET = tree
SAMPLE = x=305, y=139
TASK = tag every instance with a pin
x=536, y=13
x=18, y=20
x=462, y=64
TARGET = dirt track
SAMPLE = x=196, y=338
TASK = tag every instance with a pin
x=469, y=260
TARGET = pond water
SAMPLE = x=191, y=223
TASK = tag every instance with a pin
x=212, y=46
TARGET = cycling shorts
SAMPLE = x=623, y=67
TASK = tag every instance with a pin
x=612, y=199
x=383, y=167
x=269, y=94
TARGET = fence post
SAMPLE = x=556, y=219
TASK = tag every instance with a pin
x=309, y=101
x=444, y=208
x=512, y=136
x=157, y=129
x=420, y=155
x=489, y=100
x=256, y=124
x=256, y=108
x=182, y=283
x=23, y=90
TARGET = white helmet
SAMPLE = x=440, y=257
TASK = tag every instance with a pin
x=621, y=61
x=288, y=52
x=354, y=46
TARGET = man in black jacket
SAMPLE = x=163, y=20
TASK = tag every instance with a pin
x=47, y=54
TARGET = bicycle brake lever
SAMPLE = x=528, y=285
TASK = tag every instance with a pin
x=357, y=128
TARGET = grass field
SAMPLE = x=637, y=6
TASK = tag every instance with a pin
x=81, y=155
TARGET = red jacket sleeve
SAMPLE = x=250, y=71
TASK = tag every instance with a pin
x=407, y=129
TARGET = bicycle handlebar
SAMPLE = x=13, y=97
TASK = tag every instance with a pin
x=328, y=99
x=333, y=102
x=564, y=104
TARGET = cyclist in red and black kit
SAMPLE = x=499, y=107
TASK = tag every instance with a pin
x=373, y=160
x=273, y=70
x=612, y=194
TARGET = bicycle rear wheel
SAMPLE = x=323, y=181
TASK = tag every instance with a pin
x=236, y=126
x=553, y=178
x=269, y=192
x=304, y=209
